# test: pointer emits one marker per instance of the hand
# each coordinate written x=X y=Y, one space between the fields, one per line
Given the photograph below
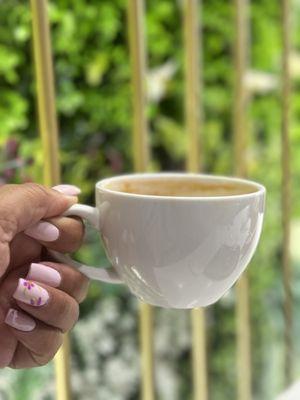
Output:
x=38 y=298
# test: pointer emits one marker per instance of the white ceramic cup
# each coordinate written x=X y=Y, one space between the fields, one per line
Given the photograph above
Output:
x=175 y=252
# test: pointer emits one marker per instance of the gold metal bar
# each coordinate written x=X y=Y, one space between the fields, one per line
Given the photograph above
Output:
x=240 y=92
x=45 y=91
x=62 y=371
x=146 y=343
x=192 y=82
x=199 y=354
x=49 y=135
x=286 y=189
x=193 y=122
x=244 y=373
x=141 y=160
x=138 y=77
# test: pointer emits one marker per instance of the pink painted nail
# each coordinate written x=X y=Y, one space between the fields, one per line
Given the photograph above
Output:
x=19 y=320
x=69 y=190
x=43 y=231
x=30 y=293
x=44 y=274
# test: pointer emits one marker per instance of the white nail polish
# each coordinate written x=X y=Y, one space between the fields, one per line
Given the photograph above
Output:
x=69 y=190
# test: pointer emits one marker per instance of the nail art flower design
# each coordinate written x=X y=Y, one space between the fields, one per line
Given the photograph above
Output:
x=28 y=284
x=38 y=303
x=34 y=298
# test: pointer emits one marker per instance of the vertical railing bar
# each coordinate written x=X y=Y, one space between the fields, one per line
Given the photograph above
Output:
x=62 y=371
x=146 y=345
x=240 y=93
x=199 y=354
x=244 y=373
x=49 y=135
x=194 y=126
x=193 y=75
x=45 y=91
x=141 y=160
x=286 y=189
x=138 y=71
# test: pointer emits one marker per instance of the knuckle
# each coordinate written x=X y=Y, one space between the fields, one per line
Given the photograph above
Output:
x=13 y=365
x=74 y=319
x=75 y=310
x=34 y=189
x=8 y=222
x=68 y=312
x=40 y=361
x=48 y=347
x=46 y=340
x=71 y=321
x=56 y=344
x=8 y=225
x=79 y=287
x=63 y=309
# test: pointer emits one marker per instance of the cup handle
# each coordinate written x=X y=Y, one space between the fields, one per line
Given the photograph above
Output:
x=91 y=215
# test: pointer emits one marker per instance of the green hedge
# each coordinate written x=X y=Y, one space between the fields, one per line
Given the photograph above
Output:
x=92 y=72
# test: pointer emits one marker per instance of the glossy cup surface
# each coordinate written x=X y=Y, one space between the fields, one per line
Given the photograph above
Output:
x=179 y=252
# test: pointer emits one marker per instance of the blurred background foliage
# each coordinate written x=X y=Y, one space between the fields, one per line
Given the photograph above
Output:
x=92 y=71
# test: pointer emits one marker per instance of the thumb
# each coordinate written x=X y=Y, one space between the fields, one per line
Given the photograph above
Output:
x=24 y=205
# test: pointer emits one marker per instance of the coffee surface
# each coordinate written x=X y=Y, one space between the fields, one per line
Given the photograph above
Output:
x=181 y=187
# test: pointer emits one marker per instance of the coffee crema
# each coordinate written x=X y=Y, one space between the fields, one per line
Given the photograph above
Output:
x=181 y=187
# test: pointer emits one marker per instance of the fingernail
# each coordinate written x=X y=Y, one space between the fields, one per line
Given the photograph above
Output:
x=43 y=231
x=69 y=190
x=44 y=274
x=30 y=293
x=19 y=320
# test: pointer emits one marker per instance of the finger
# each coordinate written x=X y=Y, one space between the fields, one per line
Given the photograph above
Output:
x=8 y=343
x=22 y=206
x=61 y=276
x=71 y=231
x=23 y=250
x=8 y=287
x=49 y=305
x=38 y=342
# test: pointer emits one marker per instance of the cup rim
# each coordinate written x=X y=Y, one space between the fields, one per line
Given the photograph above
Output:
x=101 y=185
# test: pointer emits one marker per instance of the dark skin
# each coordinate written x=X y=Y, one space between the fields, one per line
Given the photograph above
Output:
x=22 y=206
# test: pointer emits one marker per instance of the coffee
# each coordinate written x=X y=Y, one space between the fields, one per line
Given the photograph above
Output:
x=181 y=187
